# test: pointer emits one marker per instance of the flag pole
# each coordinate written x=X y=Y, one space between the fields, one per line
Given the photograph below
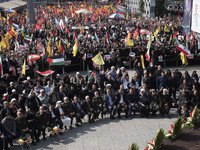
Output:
x=83 y=65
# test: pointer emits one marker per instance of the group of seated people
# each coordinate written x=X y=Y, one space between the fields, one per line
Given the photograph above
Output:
x=29 y=108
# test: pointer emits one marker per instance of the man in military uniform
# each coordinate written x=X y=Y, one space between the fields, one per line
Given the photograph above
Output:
x=98 y=103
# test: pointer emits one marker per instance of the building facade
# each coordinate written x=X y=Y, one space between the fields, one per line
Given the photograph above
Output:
x=149 y=7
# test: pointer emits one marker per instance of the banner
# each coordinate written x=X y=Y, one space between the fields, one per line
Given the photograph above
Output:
x=196 y=16
x=187 y=17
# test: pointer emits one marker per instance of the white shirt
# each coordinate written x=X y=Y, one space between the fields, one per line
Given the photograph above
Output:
x=121 y=100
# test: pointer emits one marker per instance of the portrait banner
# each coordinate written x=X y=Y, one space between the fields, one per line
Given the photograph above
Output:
x=186 y=17
x=196 y=16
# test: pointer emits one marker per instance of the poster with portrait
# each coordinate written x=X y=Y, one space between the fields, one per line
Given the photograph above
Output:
x=196 y=16
x=187 y=17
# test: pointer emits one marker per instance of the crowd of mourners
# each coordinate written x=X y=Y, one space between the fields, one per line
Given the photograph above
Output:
x=30 y=106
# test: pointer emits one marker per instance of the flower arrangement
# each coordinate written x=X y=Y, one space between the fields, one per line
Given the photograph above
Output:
x=20 y=142
x=54 y=130
x=193 y=119
x=24 y=140
x=157 y=141
x=176 y=129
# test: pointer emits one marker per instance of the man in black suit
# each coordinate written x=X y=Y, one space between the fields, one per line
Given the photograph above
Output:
x=78 y=110
x=184 y=112
x=109 y=100
x=121 y=102
x=88 y=109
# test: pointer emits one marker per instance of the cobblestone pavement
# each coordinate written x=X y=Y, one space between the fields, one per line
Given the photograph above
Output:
x=106 y=134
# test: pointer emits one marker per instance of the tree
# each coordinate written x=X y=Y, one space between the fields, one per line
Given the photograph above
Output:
x=141 y=6
x=160 y=8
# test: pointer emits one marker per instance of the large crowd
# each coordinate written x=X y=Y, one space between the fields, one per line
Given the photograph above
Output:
x=29 y=106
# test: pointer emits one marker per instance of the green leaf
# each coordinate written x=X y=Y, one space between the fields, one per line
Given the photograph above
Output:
x=159 y=138
x=134 y=146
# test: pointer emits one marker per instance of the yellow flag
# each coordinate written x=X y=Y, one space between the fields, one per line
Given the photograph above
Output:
x=8 y=36
x=98 y=59
x=133 y=14
x=137 y=38
x=184 y=59
x=139 y=18
x=159 y=29
x=127 y=16
x=75 y=49
x=142 y=61
x=24 y=68
x=170 y=37
x=166 y=29
x=3 y=42
x=49 y=48
x=129 y=42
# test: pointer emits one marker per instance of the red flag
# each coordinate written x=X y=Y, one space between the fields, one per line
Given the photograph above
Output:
x=192 y=37
x=66 y=30
x=136 y=33
x=179 y=17
x=37 y=27
x=86 y=19
x=93 y=18
x=130 y=33
x=62 y=49
x=50 y=61
x=175 y=34
x=41 y=21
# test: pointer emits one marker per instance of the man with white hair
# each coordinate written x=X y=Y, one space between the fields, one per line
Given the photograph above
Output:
x=44 y=99
x=88 y=109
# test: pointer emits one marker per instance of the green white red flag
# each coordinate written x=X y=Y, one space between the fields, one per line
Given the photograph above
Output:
x=45 y=73
x=33 y=57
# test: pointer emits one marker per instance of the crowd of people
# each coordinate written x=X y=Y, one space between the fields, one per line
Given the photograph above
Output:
x=29 y=106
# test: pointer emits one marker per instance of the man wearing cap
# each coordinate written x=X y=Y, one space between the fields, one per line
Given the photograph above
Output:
x=33 y=102
x=30 y=83
x=14 y=107
x=10 y=88
x=57 y=79
x=164 y=103
x=143 y=103
x=14 y=94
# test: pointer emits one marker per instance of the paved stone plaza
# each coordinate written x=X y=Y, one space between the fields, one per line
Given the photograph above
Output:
x=106 y=134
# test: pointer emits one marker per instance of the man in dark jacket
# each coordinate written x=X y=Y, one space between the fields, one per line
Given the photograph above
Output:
x=10 y=127
x=3 y=138
x=121 y=102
